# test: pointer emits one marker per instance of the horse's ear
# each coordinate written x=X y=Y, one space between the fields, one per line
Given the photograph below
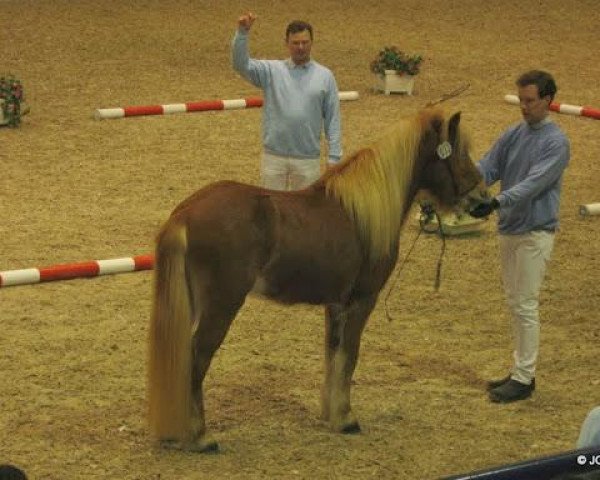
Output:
x=453 y=127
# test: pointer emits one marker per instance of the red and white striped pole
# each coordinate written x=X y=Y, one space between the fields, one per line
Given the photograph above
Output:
x=76 y=270
x=201 y=106
x=563 y=108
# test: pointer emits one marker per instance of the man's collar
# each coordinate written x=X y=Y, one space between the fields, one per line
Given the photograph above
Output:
x=545 y=121
x=290 y=63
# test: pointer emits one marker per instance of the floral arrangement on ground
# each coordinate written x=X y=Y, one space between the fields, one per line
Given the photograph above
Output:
x=11 y=96
x=392 y=58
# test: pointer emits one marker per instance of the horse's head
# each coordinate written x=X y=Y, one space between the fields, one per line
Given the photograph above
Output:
x=448 y=172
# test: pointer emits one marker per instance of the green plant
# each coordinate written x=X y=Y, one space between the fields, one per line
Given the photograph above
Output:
x=11 y=96
x=392 y=58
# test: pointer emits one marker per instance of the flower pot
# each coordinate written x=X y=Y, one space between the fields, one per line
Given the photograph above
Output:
x=24 y=110
x=394 y=82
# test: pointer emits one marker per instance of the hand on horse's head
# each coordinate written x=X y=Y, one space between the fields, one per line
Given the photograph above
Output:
x=484 y=209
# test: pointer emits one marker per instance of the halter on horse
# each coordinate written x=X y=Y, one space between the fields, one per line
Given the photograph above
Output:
x=334 y=243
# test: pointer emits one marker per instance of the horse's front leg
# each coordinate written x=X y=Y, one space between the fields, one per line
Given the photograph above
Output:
x=343 y=328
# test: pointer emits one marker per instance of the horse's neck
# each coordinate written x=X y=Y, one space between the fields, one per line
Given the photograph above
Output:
x=376 y=187
x=401 y=167
x=398 y=188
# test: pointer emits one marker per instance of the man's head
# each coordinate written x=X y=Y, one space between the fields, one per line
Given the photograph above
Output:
x=298 y=38
x=536 y=92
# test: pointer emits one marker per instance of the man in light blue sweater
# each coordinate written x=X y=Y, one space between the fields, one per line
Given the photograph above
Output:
x=529 y=160
x=300 y=101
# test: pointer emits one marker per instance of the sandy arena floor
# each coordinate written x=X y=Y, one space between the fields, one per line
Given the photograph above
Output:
x=72 y=353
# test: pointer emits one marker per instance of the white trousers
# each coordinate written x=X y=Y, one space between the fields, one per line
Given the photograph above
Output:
x=523 y=260
x=288 y=173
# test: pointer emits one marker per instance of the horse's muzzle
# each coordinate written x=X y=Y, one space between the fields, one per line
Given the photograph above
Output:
x=476 y=196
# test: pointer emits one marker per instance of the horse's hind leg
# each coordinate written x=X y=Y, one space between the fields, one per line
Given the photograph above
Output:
x=344 y=326
x=215 y=305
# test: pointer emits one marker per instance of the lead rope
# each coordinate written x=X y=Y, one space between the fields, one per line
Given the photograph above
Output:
x=428 y=211
x=438 y=272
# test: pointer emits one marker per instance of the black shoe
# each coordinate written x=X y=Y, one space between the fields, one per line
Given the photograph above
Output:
x=491 y=384
x=511 y=391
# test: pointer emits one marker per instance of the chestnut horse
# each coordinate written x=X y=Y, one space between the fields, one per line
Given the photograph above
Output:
x=334 y=243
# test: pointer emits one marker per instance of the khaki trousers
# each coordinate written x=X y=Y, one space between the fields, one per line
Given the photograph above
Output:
x=288 y=173
x=524 y=259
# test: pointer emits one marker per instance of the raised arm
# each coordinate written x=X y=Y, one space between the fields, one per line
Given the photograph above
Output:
x=255 y=71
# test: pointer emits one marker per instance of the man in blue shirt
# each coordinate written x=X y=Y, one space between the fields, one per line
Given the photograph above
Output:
x=300 y=100
x=528 y=160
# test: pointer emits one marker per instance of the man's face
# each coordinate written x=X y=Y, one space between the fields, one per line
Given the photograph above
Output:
x=299 y=45
x=533 y=108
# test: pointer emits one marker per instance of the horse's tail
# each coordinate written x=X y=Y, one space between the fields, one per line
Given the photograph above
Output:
x=170 y=356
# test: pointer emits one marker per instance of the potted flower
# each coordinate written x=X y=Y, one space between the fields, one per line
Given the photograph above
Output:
x=11 y=96
x=395 y=70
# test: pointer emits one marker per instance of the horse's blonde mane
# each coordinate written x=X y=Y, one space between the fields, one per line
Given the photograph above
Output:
x=373 y=183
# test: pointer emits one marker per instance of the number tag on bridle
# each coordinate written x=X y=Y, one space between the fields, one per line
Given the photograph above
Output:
x=444 y=150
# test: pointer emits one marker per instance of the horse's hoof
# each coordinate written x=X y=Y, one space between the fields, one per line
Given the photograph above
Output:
x=204 y=446
x=170 y=444
x=351 y=428
x=196 y=446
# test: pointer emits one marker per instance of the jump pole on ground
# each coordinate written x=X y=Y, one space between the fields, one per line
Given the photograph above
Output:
x=76 y=270
x=200 y=106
